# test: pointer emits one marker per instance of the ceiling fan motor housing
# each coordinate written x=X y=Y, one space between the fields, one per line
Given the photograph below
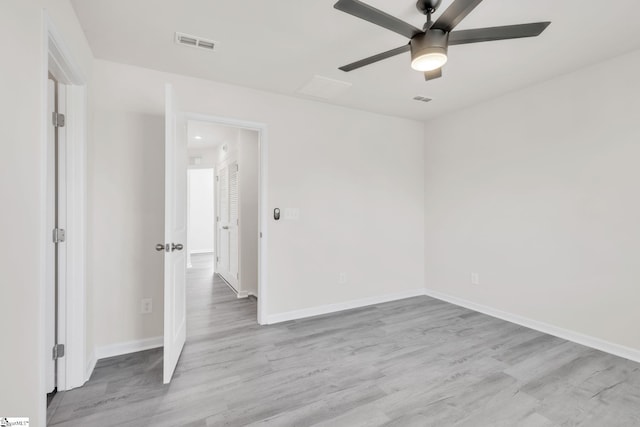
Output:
x=433 y=41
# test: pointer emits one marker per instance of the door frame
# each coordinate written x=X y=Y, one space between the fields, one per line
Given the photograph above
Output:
x=72 y=368
x=263 y=209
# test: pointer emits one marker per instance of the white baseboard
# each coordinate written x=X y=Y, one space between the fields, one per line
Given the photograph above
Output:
x=91 y=365
x=347 y=305
x=200 y=252
x=577 y=337
x=127 y=347
x=242 y=294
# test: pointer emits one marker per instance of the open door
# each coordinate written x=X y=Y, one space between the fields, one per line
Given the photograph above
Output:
x=175 y=237
x=51 y=268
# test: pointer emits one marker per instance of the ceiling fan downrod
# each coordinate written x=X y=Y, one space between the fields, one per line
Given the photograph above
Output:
x=427 y=25
x=427 y=7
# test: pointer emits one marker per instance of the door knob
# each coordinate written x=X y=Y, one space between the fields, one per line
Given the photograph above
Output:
x=160 y=247
x=176 y=247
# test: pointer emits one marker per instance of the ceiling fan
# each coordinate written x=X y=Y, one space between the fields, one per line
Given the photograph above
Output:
x=429 y=46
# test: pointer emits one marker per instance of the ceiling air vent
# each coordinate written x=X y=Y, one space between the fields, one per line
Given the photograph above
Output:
x=422 y=98
x=193 y=41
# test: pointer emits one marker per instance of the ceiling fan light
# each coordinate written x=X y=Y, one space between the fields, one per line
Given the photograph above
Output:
x=429 y=50
x=429 y=61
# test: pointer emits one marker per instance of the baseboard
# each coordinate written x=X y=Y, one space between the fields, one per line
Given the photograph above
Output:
x=91 y=365
x=127 y=347
x=242 y=294
x=569 y=335
x=341 y=306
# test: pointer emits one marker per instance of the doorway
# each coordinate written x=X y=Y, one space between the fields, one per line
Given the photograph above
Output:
x=62 y=309
x=225 y=159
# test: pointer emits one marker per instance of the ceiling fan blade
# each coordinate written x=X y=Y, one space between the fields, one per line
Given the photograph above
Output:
x=454 y=14
x=432 y=75
x=376 y=58
x=376 y=16
x=497 y=33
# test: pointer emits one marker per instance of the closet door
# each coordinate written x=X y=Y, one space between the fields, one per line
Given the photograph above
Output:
x=233 y=226
x=227 y=260
x=222 y=259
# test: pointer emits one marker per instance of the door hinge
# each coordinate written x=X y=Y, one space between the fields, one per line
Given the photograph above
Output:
x=59 y=235
x=217 y=258
x=58 y=351
x=261 y=234
x=217 y=178
x=58 y=120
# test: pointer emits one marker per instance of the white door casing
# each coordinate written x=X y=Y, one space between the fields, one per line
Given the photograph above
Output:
x=265 y=212
x=175 y=237
x=75 y=367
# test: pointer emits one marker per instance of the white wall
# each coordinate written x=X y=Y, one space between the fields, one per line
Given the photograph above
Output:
x=208 y=158
x=201 y=215
x=537 y=192
x=348 y=171
x=22 y=186
x=126 y=219
x=249 y=163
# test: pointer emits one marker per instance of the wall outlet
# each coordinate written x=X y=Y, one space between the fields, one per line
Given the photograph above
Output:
x=475 y=279
x=146 y=306
x=342 y=278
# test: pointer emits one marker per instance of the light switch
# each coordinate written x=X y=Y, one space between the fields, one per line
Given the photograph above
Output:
x=292 y=214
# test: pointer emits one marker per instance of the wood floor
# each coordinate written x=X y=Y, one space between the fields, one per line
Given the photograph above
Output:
x=416 y=362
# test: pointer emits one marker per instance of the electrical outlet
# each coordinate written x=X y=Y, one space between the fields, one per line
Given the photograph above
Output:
x=146 y=306
x=342 y=278
x=475 y=279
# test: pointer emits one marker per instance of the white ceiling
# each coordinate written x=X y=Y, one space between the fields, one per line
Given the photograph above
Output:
x=279 y=45
x=211 y=135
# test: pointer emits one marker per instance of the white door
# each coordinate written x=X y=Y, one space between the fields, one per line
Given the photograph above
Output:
x=228 y=249
x=234 y=221
x=175 y=237
x=50 y=300
x=222 y=228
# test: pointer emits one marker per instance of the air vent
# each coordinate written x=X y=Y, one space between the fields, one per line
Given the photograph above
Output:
x=193 y=41
x=422 y=98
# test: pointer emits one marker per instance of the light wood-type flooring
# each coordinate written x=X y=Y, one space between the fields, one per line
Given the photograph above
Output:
x=415 y=362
